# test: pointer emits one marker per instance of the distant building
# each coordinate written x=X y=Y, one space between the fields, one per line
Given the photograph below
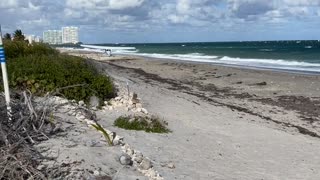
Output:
x=52 y=37
x=70 y=35
x=32 y=38
x=37 y=39
x=29 y=38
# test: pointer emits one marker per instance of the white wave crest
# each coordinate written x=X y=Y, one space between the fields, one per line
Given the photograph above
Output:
x=198 y=57
x=247 y=62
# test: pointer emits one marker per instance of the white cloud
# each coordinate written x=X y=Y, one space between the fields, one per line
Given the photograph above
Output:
x=124 y=4
x=177 y=19
x=138 y=15
x=301 y=2
x=104 y=4
x=86 y=4
x=8 y=4
x=183 y=6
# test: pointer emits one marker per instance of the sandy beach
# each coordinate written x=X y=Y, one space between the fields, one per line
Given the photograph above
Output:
x=226 y=122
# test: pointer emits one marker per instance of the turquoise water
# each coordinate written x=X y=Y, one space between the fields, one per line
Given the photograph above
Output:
x=285 y=55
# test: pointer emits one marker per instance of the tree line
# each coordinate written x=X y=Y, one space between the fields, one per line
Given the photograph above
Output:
x=16 y=36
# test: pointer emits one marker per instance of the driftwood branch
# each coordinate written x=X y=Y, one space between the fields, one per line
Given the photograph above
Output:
x=18 y=158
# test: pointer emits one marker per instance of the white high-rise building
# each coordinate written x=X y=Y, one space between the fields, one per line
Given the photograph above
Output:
x=30 y=38
x=52 y=37
x=70 y=35
x=37 y=39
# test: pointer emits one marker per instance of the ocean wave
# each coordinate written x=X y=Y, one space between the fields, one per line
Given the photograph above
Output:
x=272 y=64
x=198 y=57
x=280 y=64
x=266 y=50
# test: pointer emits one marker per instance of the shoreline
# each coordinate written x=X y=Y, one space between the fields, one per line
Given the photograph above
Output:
x=227 y=123
x=216 y=113
x=117 y=55
x=313 y=73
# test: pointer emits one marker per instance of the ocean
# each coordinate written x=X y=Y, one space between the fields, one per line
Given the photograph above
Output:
x=301 y=56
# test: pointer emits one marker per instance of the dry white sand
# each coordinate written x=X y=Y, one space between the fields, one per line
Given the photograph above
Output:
x=213 y=142
x=214 y=138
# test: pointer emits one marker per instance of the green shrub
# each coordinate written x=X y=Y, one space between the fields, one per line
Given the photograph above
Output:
x=42 y=69
x=141 y=123
x=14 y=49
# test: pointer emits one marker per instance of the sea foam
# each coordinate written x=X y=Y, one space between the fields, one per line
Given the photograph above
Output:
x=291 y=65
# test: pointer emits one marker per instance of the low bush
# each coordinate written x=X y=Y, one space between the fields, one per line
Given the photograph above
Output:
x=142 y=123
x=41 y=69
x=14 y=49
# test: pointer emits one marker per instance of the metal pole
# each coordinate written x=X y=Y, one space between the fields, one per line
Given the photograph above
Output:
x=5 y=76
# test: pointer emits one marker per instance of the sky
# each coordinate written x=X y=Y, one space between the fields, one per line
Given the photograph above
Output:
x=146 y=21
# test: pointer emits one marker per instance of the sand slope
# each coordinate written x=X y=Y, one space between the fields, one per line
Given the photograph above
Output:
x=212 y=141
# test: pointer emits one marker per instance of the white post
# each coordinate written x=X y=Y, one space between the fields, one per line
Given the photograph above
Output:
x=5 y=76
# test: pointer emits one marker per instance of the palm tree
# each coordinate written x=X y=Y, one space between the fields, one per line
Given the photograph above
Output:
x=7 y=36
x=18 y=35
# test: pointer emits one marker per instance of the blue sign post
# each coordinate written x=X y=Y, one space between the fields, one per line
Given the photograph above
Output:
x=5 y=76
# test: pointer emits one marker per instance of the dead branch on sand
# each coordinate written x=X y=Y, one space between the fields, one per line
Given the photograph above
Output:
x=30 y=124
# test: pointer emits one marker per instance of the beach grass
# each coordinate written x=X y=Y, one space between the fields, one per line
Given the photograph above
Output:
x=141 y=123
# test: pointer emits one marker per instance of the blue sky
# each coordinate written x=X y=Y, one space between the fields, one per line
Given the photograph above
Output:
x=118 y=21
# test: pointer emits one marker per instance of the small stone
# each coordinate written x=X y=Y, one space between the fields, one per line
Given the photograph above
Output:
x=94 y=101
x=152 y=173
x=117 y=98
x=138 y=105
x=116 y=104
x=125 y=160
x=171 y=166
x=70 y=112
x=96 y=173
x=138 y=157
x=41 y=167
x=118 y=140
x=130 y=152
x=143 y=110
x=139 y=109
x=125 y=146
x=81 y=103
x=145 y=164
x=80 y=117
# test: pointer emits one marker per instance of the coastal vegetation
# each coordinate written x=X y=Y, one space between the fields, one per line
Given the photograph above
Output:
x=142 y=123
x=41 y=69
x=36 y=69
x=18 y=35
